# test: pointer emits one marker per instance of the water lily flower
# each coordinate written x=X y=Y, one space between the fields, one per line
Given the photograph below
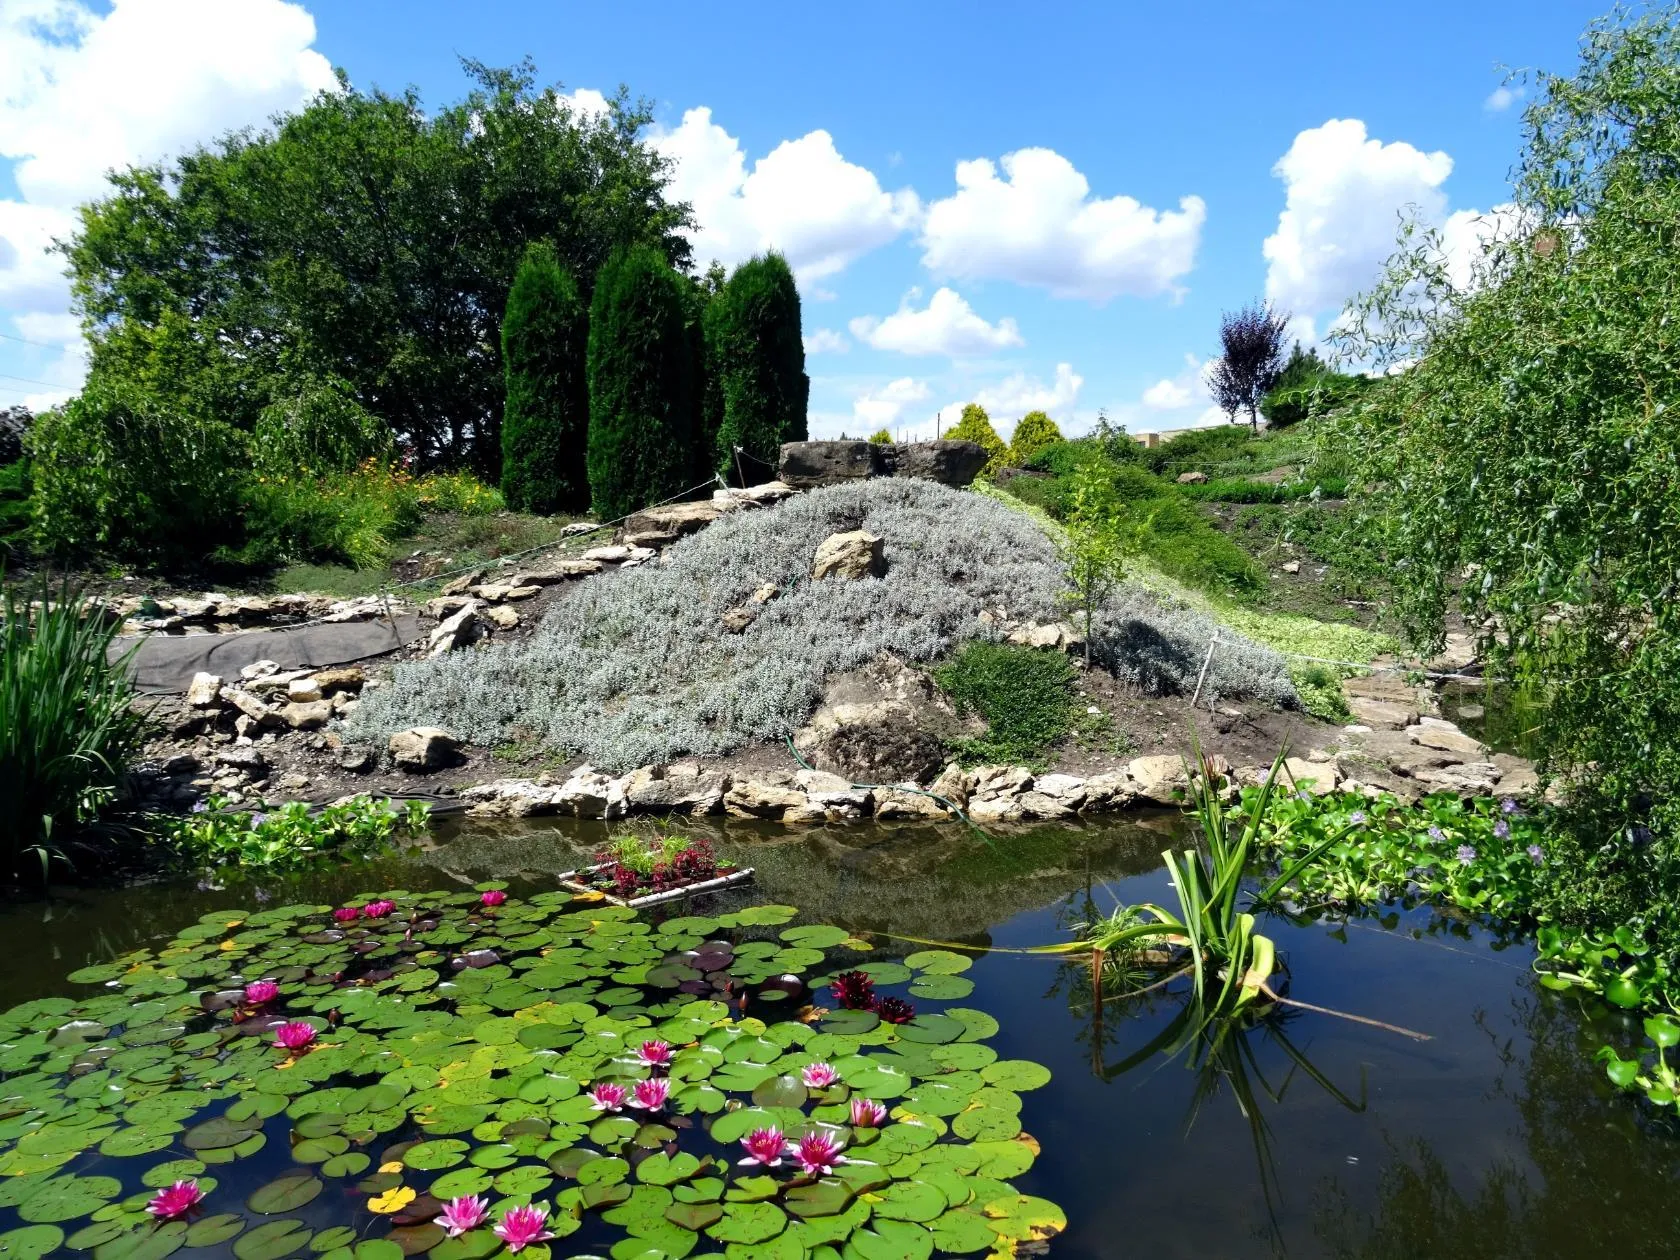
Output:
x=294 y=1036
x=522 y=1226
x=492 y=897
x=175 y=1201
x=655 y=1054
x=818 y=1153
x=868 y=1114
x=260 y=991
x=819 y=1075
x=460 y=1214
x=378 y=909
x=651 y=1095
x=347 y=914
x=1466 y=854
x=1535 y=855
x=766 y=1147
x=854 y=990
x=894 y=1010
x=608 y=1097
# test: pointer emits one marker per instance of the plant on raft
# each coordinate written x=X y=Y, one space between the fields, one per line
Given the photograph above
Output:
x=452 y=1072
x=635 y=864
x=289 y=838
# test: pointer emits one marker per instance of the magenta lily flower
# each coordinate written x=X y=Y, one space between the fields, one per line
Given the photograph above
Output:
x=522 y=1226
x=175 y=1201
x=651 y=1095
x=294 y=1036
x=818 y=1153
x=868 y=1114
x=492 y=898
x=655 y=1054
x=347 y=914
x=819 y=1076
x=463 y=1213
x=260 y=991
x=765 y=1147
x=608 y=1097
x=378 y=909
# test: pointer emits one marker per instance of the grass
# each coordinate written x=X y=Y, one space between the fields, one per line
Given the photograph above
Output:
x=1024 y=694
x=1243 y=490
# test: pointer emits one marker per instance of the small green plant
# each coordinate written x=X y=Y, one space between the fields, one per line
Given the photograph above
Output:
x=1656 y=1080
x=1094 y=548
x=290 y=838
x=881 y=438
x=976 y=426
x=1033 y=433
x=1024 y=694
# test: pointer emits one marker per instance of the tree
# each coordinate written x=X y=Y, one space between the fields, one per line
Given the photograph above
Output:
x=1035 y=431
x=545 y=420
x=365 y=239
x=641 y=384
x=1252 y=343
x=1304 y=367
x=976 y=426
x=880 y=438
x=756 y=355
x=1093 y=546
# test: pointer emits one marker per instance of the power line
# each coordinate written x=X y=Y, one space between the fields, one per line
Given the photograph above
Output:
x=30 y=380
x=39 y=344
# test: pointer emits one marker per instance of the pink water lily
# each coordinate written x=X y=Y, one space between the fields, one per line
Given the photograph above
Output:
x=378 y=909
x=347 y=914
x=651 y=1095
x=765 y=1146
x=818 y=1153
x=463 y=1213
x=261 y=991
x=175 y=1201
x=819 y=1076
x=294 y=1036
x=522 y=1226
x=868 y=1114
x=492 y=897
x=655 y=1054
x=608 y=1097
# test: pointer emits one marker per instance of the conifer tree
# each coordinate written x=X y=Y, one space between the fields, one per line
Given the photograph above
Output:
x=976 y=426
x=545 y=420
x=756 y=358
x=1035 y=431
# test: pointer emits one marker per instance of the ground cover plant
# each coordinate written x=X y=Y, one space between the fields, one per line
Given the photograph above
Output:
x=456 y=1072
x=1024 y=694
x=639 y=669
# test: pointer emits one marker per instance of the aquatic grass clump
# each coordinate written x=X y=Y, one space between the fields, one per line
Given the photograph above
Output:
x=448 y=1077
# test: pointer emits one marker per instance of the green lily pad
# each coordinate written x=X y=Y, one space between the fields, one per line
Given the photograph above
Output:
x=939 y=962
x=212 y=1230
x=30 y=1242
x=272 y=1240
x=285 y=1194
x=891 y=1240
x=748 y=1223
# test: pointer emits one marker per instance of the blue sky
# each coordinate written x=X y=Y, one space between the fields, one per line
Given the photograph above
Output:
x=1029 y=205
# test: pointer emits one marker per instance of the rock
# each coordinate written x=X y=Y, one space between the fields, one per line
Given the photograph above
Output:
x=1317 y=777
x=497 y=592
x=303 y=690
x=994 y=782
x=182 y=763
x=259 y=669
x=348 y=678
x=1192 y=478
x=997 y=809
x=851 y=555
x=898 y=803
x=1059 y=634
x=463 y=584
x=1291 y=566
x=558 y=571
x=1516 y=776
x=1112 y=791
x=760 y=798
x=458 y=630
x=619 y=554
x=445 y=605
x=294 y=782
x=882 y=723
x=511 y=798
x=503 y=617
x=805 y=465
x=423 y=748
x=663 y=525
x=737 y=619
x=1159 y=779
x=1435 y=733
x=307 y=715
x=356 y=759
x=1474 y=778
x=1459 y=654
x=579 y=527
x=821 y=782
x=1381 y=714
x=204 y=692
x=947 y=462
x=754 y=496
x=1066 y=789
x=684 y=791
x=273 y=686
x=246 y=761
x=253 y=708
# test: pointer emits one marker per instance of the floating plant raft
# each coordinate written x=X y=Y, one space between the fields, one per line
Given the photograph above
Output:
x=463 y=1075
x=589 y=880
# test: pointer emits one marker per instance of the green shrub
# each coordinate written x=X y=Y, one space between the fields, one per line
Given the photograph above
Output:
x=642 y=409
x=67 y=728
x=1316 y=396
x=976 y=426
x=1243 y=490
x=16 y=506
x=1197 y=448
x=318 y=428
x=1035 y=432
x=1024 y=694
x=756 y=355
x=545 y=419
x=881 y=438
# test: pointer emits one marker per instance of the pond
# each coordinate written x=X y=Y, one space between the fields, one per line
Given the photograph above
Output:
x=1308 y=1136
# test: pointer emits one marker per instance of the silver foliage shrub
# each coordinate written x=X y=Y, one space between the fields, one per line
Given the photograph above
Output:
x=636 y=667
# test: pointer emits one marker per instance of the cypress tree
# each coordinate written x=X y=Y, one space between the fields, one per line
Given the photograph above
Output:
x=545 y=419
x=1035 y=431
x=976 y=426
x=641 y=384
x=757 y=358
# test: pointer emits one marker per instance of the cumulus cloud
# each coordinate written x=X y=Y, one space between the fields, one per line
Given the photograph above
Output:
x=1039 y=225
x=1011 y=398
x=826 y=341
x=1344 y=194
x=89 y=91
x=947 y=325
x=880 y=408
x=1503 y=97
x=803 y=199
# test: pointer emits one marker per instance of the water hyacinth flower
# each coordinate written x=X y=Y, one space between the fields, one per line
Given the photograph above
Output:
x=1435 y=833
x=1535 y=855
x=347 y=914
x=819 y=1076
x=175 y=1201
x=492 y=897
x=1466 y=854
x=460 y=1214
x=1357 y=818
x=868 y=1114
x=261 y=991
x=608 y=1097
x=651 y=1095
x=294 y=1036
x=522 y=1226
x=1508 y=806
x=1501 y=829
x=818 y=1153
x=765 y=1147
x=654 y=1054
x=378 y=909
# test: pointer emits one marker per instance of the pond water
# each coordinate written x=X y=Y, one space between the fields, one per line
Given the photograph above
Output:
x=1309 y=1136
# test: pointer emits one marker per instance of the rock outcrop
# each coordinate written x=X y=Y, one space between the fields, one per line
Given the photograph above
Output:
x=849 y=556
x=806 y=465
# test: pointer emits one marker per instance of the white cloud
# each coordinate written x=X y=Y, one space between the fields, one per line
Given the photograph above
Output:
x=878 y=409
x=1039 y=225
x=802 y=199
x=1169 y=394
x=1503 y=97
x=1468 y=234
x=1345 y=193
x=1181 y=401
x=587 y=102
x=1016 y=395
x=826 y=341
x=946 y=325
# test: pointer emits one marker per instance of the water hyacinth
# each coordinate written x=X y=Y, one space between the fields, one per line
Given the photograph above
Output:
x=1502 y=830
x=868 y=1114
x=468 y=1211
x=492 y=898
x=1536 y=855
x=378 y=909
x=654 y=1054
x=608 y=1097
x=175 y=1201
x=294 y=1036
x=765 y=1147
x=1466 y=854
x=1437 y=835
x=819 y=1076
x=522 y=1226
x=818 y=1153
x=259 y=992
x=651 y=1095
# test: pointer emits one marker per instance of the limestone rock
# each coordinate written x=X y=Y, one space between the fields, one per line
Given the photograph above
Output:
x=462 y=584
x=259 y=669
x=204 y=692
x=619 y=554
x=736 y=620
x=760 y=798
x=947 y=462
x=347 y=678
x=874 y=725
x=511 y=798
x=1381 y=714
x=663 y=525
x=307 y=715
x=356 y=759
x=499 y=592
x=754 y=496
x=1192 y=478
x=303 y=690
x=253 y=708
x=1317 y=777
x=1458 y=655
x=445 y=605
x=851 y=555
x=1291 y=566
x=805 y=465
x=1435 y=733
x=820 y=781
x=1058 y=634
x=1112 y=791
x=677 y=789
x=590 y=794
x=1474 y=778
x=1160 y=779
x=558 y=571
x=952 y=784
x=459 y=630
x=423 y=748
x=579 y=527
x=1038 y=805
x=246 y=761
x=896 y=803
x=503 y=617
x=1065 y=789
x=1516 y=775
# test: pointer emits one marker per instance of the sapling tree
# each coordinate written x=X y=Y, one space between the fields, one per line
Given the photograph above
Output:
x=1093 y=548
x=1252 y=342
